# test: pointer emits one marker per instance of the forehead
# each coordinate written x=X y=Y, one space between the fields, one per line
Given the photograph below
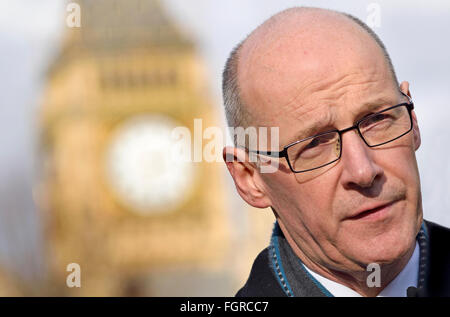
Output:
x=298 y=82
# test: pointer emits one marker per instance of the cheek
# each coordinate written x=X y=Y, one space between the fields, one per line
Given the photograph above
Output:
x=403 y=169
x=283 y=191
x=309 y=203
x=401 y=164
x=318 y=197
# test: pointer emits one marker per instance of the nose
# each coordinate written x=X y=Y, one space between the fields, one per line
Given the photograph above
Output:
x=359 y=168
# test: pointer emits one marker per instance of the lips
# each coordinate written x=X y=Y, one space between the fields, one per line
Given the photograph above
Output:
x=371 y=211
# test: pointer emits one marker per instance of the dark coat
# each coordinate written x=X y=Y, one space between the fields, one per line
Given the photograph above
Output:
x=267 y=277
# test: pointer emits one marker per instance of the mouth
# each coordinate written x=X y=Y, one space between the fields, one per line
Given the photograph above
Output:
x=372 y=213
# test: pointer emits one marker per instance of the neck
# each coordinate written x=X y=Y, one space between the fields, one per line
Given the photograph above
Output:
x=356 y=280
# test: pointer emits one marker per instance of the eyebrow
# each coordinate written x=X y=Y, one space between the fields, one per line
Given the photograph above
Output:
x=364 y=110
x=376 y=105
x=313 y=129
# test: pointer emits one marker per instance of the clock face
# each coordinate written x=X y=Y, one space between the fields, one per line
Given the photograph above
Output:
x=140 y=168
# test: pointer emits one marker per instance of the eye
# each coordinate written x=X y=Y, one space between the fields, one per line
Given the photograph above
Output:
x=376 y=118
x=372 y=120
x=314 y=148
x=315 y=142
x=320 y=140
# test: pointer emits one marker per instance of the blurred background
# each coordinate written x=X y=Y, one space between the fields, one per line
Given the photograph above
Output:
x=90 y=90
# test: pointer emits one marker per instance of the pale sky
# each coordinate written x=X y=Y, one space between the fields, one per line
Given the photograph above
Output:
x=414 y=32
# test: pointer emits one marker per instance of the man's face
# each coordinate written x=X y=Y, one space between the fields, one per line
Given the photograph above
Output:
x=330 y=85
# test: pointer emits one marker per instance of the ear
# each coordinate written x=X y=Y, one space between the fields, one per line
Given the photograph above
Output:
x=246 y=177
x=404 y=87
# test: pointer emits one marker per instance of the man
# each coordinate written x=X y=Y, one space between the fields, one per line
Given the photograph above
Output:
x=346 y=193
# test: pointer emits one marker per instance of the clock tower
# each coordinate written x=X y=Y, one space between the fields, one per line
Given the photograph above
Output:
x=114 y=200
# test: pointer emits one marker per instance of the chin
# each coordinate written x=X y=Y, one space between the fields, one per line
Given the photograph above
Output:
x=385 y=248
x=385 y=240
x=389 y=253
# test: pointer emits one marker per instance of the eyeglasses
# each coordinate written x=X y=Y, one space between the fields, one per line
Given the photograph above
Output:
x=326 y=148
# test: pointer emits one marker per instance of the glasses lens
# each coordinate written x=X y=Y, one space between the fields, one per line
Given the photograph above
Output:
x=314 y=152
x=385 y=126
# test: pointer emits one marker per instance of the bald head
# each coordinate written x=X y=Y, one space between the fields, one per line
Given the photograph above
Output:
x=310 y=44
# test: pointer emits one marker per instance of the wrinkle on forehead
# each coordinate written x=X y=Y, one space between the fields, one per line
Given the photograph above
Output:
x=329 y=91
